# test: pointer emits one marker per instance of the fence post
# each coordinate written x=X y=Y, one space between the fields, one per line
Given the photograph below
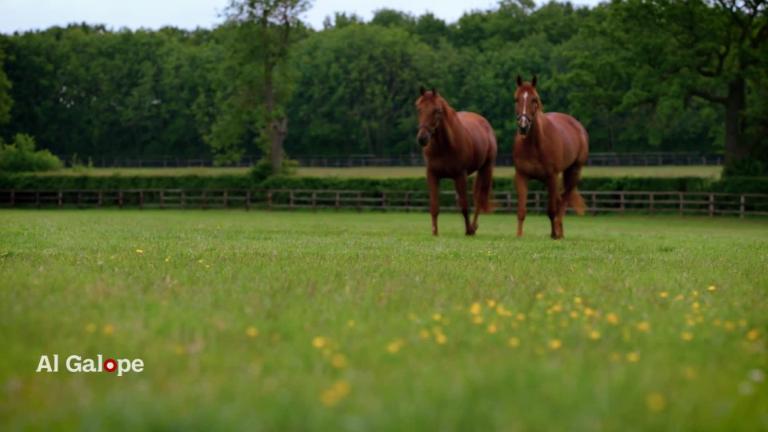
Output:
x=162 y=198
x=120 y=199
x=141 y=199
x=13 y=197
x=314 y=200
x=37 y=198
x=290 y=204
x=101 y=198
x=681 y=202
x=408 y=201
x=338 y=199
x=384 y=200
x=79 y=198
x=650 y=198
x=535 y=200
x=59 y=198
x=622 y=207
x=359 y=201
x=205 y=199
x=183 y=199
x=269 y=199
x=594 y=203
x=711 y=204
x=226 y=198
x=248 y=200
x=742 y=205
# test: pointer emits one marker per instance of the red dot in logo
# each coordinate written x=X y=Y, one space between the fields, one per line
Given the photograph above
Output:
x=110 y=365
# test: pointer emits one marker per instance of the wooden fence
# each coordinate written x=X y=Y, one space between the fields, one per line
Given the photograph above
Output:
x=688 y=203
x=415 y=159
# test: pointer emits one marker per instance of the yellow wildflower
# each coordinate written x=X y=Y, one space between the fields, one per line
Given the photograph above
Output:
x=339 y=361
x=424 y=334
x=514 y=342
x=612 y=318
x=477 y=319
x=334 y=394
x=319 y=342
x=437 y=317
x=394 y=346
x=633 y=357
x=492 y=328
x=140 y=251
x=441 y=339
x=753 y=335
x=594 y=335
x=643 y=326
x=251 y=332
x=555 y=344
x=90 y=327
x=475 y=309
x=663 y=294
x=655 y=402
x=686 y=336
x=491 y=303
x=520 y=317
x=108 y=329
x=711 y=288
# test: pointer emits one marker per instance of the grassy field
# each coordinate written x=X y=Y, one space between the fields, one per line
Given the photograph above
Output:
x=387 y=172
x=360 y=321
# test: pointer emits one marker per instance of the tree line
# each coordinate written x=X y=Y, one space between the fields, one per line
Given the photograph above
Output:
x=641 y=75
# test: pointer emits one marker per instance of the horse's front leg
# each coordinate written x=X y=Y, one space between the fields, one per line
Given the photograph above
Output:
x=521 y=185
x=553 y=209
x=434 y=199
x=461 y=192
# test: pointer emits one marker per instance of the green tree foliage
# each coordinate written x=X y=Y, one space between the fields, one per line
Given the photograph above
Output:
x=21 y=156
x=356 y=89
x=5 y=86
x=665 y=75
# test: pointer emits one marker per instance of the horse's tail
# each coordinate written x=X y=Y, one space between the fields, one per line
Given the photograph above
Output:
x=577 y=202
x=483 y=186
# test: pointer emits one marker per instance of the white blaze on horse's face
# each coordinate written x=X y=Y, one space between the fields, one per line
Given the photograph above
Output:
x=524 y=119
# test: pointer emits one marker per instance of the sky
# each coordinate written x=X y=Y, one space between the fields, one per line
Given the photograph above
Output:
x=21 y=15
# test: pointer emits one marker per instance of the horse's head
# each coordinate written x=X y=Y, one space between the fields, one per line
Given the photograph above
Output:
x=527 y=105
x=431 y=113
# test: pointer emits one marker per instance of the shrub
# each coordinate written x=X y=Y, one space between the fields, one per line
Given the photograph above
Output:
x=21 y=156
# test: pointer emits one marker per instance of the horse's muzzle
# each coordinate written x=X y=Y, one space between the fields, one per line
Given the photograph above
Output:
x=423 y=138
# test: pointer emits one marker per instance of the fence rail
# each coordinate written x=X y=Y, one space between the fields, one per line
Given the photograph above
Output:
x=596 y=159
x=688 y=203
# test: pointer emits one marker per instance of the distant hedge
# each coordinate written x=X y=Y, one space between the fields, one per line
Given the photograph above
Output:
x=682 y=184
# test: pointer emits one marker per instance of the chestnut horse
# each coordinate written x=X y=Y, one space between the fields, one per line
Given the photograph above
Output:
x=546 y=145
x=456 y=144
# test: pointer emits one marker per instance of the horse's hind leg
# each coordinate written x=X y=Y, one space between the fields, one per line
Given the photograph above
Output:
x=521 y=185
x=554 y=207
x=482 y=191
x=461 y=192
x=571 y=195
x=434 y=199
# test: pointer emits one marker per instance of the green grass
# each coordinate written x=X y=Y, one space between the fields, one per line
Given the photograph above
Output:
x=383 y=293
x=388 y=172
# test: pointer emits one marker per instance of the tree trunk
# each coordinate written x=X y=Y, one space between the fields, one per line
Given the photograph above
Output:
x=278 y=128
x=735 y=105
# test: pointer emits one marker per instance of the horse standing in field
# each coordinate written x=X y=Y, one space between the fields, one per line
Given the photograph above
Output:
x=456 y=144
x=546 y=145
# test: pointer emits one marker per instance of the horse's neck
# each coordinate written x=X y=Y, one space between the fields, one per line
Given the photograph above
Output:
x=450 y=129
x=540 y=126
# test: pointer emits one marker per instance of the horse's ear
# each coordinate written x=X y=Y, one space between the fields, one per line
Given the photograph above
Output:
x=434 y=91
x=519 y=81
x=422 y=90
x=533 y=81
